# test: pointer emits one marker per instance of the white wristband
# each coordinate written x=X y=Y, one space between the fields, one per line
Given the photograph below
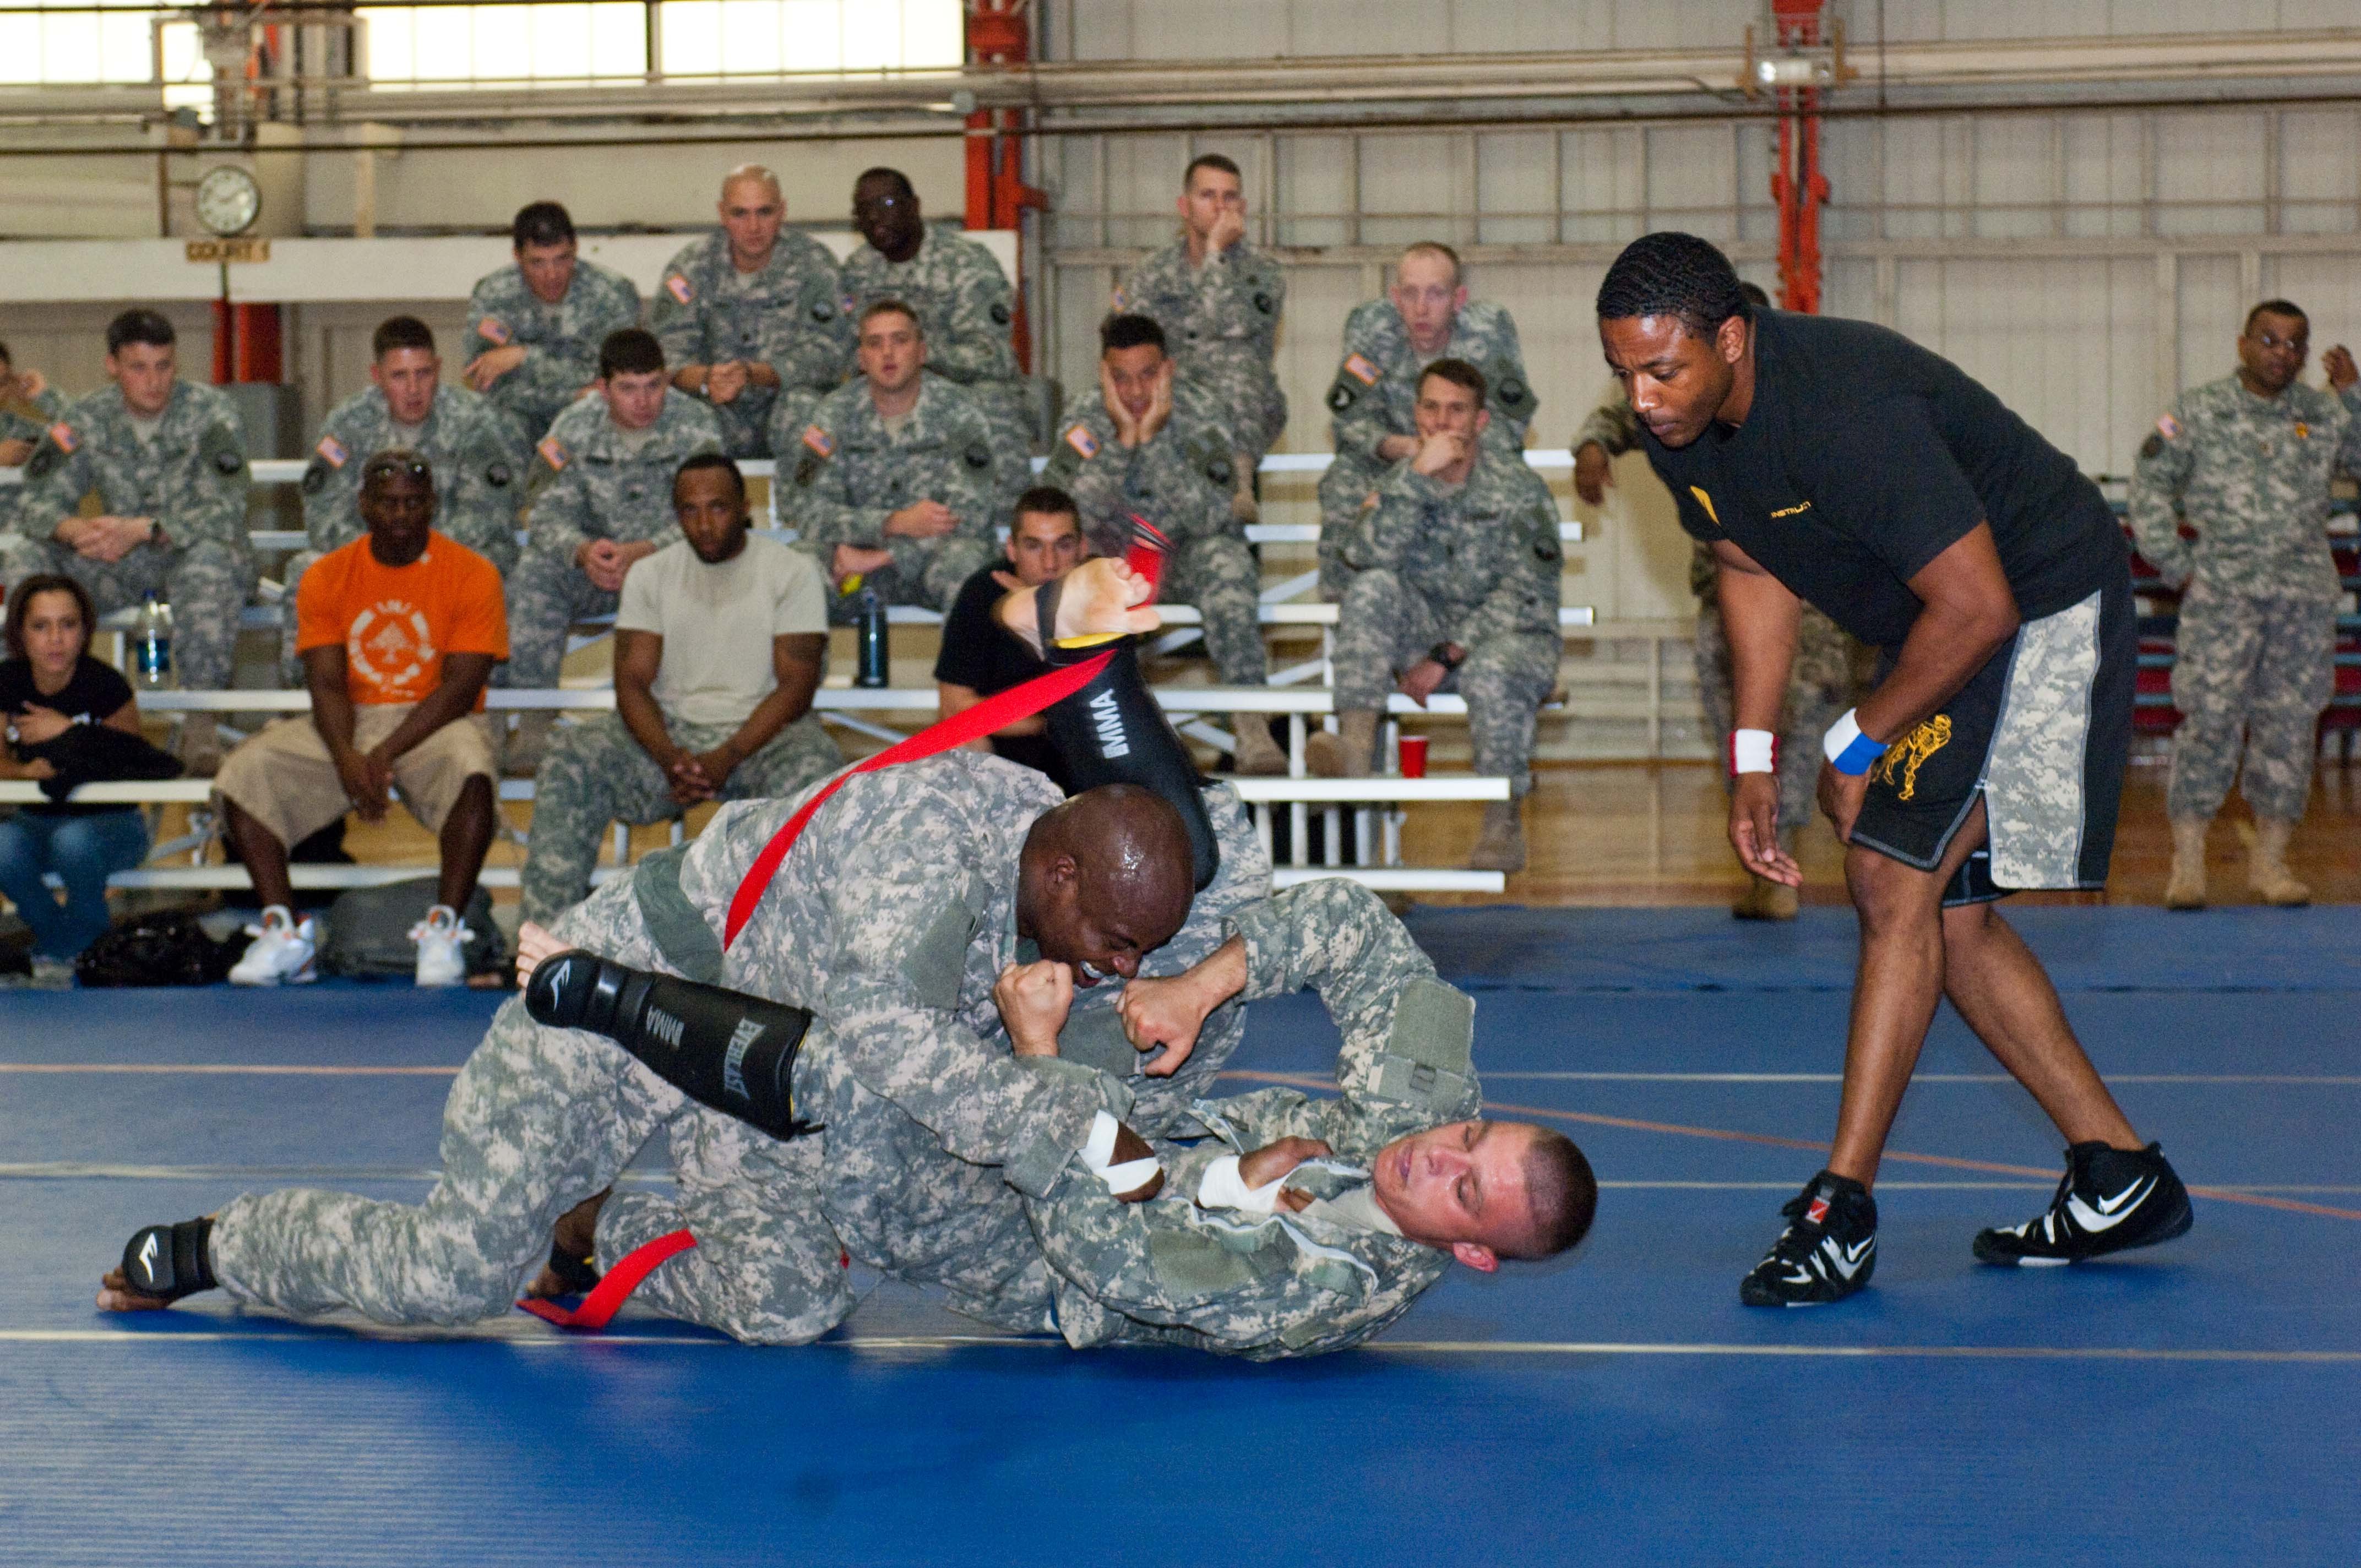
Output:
x=1754 y=752
x=1846 y=749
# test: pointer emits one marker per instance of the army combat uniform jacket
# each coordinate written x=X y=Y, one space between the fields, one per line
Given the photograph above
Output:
x=848 y=473
x=560 y=341
x=190 y=477
x=1221 y=321
x=2250 y=475
x=1187 y=1268
x=479 y=462
x=1181 y=479
x=790 y=316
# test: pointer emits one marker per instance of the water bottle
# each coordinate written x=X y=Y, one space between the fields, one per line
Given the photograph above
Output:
x=870 y=631
x=154 y=645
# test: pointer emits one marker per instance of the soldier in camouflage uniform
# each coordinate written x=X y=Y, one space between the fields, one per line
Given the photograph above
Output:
x=2245 y=461
x=720 y=644
x=601 y=498
x=894 y=478
x=1300 y=1227
x=535 y=327
x=479 y=460
x=166 y=460
x=1456 y=568
x=1389 y=342
x=28 y=406
x=1219 y=300
x=1157 y=445
x=965 y=310
x=1823 y=682
x=751 y=316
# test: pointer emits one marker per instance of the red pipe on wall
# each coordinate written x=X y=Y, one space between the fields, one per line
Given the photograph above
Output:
x=996 y=193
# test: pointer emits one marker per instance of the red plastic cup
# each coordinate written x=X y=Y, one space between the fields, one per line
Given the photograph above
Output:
x=1413 y=756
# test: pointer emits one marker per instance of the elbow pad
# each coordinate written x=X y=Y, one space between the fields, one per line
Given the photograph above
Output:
x=723 y=1049
x=1113 y=731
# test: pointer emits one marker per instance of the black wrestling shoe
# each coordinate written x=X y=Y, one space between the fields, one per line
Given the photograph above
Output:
x=1828 y=1251
x=2110 y=1199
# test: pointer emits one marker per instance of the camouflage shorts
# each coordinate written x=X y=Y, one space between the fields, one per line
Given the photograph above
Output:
x=2041 y=731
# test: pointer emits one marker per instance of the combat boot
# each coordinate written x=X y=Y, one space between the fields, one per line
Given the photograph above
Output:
x=201 y=747
x=1349 y=752
x=1502 y=846
x=2267 y=867
x=1257 y=752
x=2187 y=888
x=528 y=743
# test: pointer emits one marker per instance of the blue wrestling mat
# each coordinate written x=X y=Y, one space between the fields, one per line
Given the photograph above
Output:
x=2189 y=1404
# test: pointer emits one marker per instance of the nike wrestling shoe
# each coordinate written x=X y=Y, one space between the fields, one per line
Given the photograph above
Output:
x=2110 y=1199
x=1828 y=1251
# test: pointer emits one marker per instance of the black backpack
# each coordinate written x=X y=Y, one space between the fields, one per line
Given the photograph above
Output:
x=165 y=948
x=366 y=933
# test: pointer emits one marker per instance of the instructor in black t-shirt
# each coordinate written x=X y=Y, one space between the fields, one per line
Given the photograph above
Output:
x=978 y=659
x=1838 y=462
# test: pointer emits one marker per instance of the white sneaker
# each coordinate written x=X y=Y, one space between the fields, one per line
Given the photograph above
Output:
x=282 y=951
x=440 y=937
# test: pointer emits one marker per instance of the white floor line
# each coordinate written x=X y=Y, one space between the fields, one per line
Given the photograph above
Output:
x=2339 y=1081
x=79 y=1170
x=528 y=1336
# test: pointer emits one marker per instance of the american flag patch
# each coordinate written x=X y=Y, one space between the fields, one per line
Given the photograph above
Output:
x=62 y=434
x=817 y=439
x=1080 y=439
x=552 y=452
x=679 y=288
x=493 y=330
x=1361 y=370
x=332 y=451
x=1121 y=304
x=2168 y=427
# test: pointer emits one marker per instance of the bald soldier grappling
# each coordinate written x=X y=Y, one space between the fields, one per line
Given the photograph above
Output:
x=1837 y=462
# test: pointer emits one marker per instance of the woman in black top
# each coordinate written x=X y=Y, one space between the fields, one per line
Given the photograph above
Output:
x=47 y=685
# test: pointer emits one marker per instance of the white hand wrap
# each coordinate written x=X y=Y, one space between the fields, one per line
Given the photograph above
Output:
x=1224 y=1187
x=1098 y=1153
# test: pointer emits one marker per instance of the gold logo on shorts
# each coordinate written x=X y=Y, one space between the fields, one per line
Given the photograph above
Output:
x=1903 y=756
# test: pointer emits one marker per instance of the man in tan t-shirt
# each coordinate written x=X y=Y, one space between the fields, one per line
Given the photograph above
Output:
x=718 y=644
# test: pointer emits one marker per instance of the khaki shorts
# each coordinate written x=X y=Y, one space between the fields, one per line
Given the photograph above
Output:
x=283 y=778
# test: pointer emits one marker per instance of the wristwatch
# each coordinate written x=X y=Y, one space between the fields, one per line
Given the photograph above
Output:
x=1450 y=655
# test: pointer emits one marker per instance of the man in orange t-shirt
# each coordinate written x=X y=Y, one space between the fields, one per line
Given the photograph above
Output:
x=397 y=632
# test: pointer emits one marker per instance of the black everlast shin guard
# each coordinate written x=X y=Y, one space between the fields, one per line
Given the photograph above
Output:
x=1113 y=731
x=170 y=1261
x=724 y=1048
